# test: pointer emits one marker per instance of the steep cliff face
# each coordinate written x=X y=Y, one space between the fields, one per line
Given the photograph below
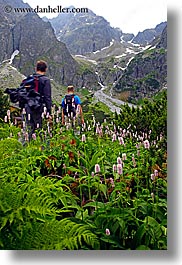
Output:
x=147 y=72
x=85 y=32
x=35 y=39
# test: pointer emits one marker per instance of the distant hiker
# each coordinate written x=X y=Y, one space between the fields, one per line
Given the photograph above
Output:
x=42 y=86
x=71 y=107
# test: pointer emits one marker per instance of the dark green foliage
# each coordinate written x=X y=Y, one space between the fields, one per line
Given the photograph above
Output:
x=151 y=116
x=4 y=103
x=51 y=198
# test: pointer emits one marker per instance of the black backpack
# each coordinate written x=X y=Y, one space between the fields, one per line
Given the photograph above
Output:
x=27 y=93
x=69 y=109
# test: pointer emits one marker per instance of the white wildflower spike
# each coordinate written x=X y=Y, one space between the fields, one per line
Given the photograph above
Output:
x=124 y=156
x=26 y=137
x=97 y=129
x=8 y=113
x=114 y=137
x=45 y=110
x=152 y=176
x=83 y=138
x=114 y=168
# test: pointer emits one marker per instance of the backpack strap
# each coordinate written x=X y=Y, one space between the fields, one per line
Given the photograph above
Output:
x=36 y=83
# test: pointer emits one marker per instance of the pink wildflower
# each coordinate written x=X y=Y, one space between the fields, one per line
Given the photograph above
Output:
x=152 y=176
x=112 y=182
x=34 y=136
x=119 y=161
x=107 y=232
x=97 y=168
x=119 y=169
x=156 y=173
x=146 y=144
x=121 y=141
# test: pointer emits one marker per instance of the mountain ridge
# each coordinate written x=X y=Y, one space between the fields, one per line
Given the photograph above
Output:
x=24 y=33
x=88 y=32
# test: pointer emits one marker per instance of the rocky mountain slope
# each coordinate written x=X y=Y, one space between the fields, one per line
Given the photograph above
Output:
x=148 y=35
x=109 y=51
x=146 y=74
x=35 y=39
x=85 y=32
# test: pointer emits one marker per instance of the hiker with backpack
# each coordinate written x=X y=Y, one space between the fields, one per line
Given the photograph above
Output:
x=33 y=95
x=71 y=107
x=42 y=87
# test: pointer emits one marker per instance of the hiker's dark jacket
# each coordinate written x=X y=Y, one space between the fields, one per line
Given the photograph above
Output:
x=45 y=91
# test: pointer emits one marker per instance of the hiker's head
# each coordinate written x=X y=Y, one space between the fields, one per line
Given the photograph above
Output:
x=70 y=89
x=41 y=66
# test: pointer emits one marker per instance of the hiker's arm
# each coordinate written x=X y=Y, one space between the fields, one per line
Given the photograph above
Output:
x=81 y=113
x=47 y=95
x=63 y=121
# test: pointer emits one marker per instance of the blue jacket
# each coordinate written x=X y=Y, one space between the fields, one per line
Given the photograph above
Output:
x=77 y=101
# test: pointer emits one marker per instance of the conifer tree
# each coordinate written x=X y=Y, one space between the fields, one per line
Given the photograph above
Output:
x=4 y=103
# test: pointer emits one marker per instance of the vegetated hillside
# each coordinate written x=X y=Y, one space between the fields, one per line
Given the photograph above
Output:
x=35 y=39
x=146 y=74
